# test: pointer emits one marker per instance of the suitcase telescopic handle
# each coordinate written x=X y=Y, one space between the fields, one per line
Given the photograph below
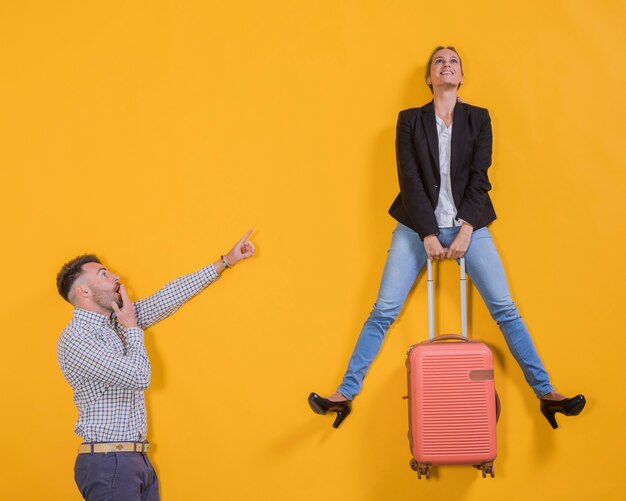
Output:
x=431 y=301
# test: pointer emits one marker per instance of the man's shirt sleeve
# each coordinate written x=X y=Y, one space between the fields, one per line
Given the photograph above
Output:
x=94 y=359
x=172 y=296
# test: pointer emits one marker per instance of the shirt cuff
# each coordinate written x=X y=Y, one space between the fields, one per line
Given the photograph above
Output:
x=134 y=334
x=210 y=273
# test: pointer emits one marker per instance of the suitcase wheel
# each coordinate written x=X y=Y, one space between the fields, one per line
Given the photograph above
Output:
x=420 y=468
x=487 y=469
x=424 y=469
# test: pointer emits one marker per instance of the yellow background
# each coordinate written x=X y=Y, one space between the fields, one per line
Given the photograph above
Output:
x=156 y=133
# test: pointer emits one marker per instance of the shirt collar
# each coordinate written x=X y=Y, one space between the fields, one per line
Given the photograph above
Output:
x=441 y=125
x=91 y=317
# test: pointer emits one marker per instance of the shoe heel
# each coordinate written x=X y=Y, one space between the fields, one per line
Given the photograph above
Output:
x=550 y=416
x=341 y=415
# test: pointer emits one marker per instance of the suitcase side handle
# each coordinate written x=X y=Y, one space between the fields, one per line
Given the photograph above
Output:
x=431 y=302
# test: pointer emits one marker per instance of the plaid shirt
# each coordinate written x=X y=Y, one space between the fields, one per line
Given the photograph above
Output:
x=107 y=366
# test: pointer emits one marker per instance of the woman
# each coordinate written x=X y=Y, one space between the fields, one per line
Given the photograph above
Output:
x=443 y=152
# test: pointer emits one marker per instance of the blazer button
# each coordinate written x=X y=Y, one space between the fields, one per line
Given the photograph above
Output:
x=435 y=186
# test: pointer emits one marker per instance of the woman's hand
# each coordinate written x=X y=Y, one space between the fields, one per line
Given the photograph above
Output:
x=433 y=248
x=461 y=242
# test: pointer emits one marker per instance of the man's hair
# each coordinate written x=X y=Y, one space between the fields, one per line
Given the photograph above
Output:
x=71 y=271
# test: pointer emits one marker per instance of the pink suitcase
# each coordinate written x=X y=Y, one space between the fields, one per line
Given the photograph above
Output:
x=453 y=405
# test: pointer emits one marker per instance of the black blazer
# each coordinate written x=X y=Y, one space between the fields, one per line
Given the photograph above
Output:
x=417 y=154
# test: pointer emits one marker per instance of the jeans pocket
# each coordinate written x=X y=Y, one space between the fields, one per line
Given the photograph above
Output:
x=115 y=468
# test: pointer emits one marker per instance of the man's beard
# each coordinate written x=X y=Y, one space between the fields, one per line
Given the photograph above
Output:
x=104 y=299
x=118 y=300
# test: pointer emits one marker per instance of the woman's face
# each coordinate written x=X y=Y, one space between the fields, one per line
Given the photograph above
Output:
x=445 y=69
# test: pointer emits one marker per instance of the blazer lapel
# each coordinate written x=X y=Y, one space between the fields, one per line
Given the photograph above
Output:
x=430 y=128
x=458 y=133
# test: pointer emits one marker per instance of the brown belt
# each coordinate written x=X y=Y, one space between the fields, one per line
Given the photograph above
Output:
x=105 y=447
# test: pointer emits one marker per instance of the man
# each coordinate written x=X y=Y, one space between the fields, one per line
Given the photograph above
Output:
x=102 y=355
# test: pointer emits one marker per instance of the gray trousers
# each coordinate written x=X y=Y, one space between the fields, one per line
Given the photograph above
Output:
x=116 y=476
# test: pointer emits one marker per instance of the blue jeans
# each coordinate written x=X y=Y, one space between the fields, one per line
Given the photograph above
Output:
x=405 y=260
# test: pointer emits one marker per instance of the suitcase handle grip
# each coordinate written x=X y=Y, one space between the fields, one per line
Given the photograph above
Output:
x=446 y=337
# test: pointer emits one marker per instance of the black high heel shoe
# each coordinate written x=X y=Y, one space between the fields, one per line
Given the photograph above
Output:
x=569 y=406
x=323 y=406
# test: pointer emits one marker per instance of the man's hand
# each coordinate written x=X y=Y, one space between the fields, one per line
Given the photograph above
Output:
x=242 y=250
x=125 y=314
x=461 y=242
x=433 y=248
